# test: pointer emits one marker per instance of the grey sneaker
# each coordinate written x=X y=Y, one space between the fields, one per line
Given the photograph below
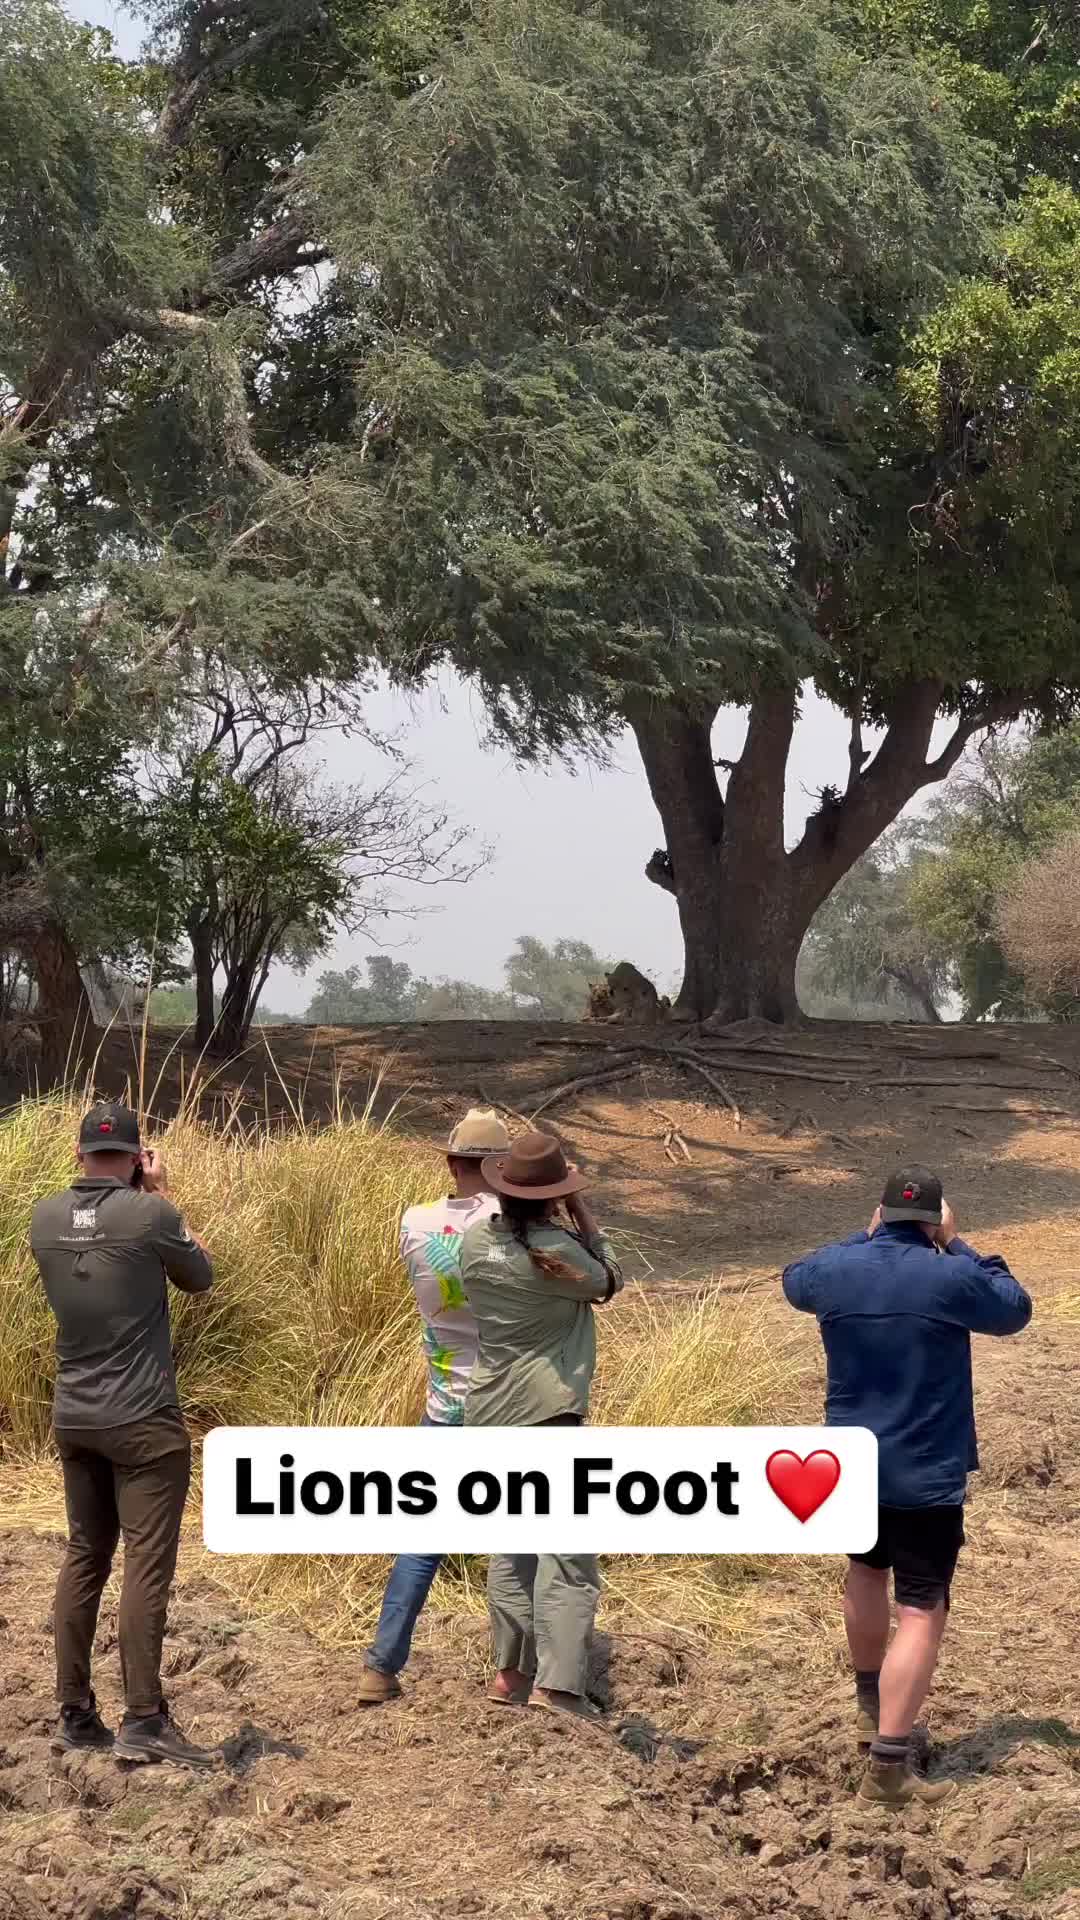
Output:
x=155 y=1741
x=81 y=1730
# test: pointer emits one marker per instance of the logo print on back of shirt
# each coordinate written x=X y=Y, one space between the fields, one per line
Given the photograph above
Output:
x=84 y=1219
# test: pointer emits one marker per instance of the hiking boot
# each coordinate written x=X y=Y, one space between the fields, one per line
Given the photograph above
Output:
x=154 y=1741
x=888 y=1783
x=377 y=1688
x=865 y=1729
x=81 y=1730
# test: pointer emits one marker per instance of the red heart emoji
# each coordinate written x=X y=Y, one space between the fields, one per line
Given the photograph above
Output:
x=802 y=1485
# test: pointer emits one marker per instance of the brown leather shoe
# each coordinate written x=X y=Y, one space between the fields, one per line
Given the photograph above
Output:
x=889 y=1783
x=376 y=1688
x=865 y=1729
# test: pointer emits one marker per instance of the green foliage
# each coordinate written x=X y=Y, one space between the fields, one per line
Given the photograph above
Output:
x=866 y=944
x=542 y=983
x=992 y=382
x=77 y=236
x=632 y=269
x=1018 y=799
x=260 y=869
x=669 y=351
x=175 y=1007
x=1009 y=66
x=74 y=827
x=553 y=981
x=977 y=489
x=392 y=995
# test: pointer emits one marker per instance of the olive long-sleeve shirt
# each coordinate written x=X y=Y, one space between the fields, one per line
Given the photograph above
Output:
x=106 y=1252
x=537 y=1339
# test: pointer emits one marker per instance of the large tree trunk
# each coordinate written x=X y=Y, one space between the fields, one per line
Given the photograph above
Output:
x=746 y=902
x=202 y=960
x=62 y=1012
x=727 y=868
x=237 y=1007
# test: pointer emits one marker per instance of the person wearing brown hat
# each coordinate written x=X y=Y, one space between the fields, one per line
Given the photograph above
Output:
x=532 y=1280
x=431 y=1240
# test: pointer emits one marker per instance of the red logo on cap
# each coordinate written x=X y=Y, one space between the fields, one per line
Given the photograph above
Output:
x=104 y=1126
x=910 y=1193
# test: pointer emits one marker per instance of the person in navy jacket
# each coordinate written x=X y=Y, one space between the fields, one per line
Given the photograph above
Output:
x=897 y=1306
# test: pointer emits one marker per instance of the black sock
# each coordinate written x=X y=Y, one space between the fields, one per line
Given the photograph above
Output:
x=892 y=1750
x=866 y=1689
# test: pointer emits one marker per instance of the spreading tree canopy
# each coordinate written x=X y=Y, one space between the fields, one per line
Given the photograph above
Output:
x=706 y=349
x=633 y=358
x=161 y=523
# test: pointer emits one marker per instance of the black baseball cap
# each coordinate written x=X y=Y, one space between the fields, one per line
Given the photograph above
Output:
x=912 y=1194
x=109 y=1128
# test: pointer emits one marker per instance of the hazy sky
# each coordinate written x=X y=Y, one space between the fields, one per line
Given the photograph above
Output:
x=569 y=850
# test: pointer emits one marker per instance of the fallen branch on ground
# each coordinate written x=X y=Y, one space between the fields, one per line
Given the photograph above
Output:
x=582 y=1081
x=975 y=1106
x=500 y=1106
x=688 y=1059
x=672 y=1137
x=627 y=1061
x=845 y=1079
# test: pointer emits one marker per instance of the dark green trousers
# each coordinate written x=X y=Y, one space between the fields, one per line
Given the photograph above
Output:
x=130 y=1480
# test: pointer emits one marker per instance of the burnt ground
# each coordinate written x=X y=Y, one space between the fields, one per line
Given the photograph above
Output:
x=721 y=1779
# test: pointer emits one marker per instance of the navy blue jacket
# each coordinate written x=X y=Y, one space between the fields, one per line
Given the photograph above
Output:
x=896 y=1318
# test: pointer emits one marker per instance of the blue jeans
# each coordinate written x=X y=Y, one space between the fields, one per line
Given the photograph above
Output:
x=407 y=1589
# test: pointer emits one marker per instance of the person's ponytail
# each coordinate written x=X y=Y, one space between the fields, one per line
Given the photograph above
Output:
x=521 y=1216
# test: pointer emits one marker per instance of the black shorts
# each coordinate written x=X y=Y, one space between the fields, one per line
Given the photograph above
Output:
x=922 y=1546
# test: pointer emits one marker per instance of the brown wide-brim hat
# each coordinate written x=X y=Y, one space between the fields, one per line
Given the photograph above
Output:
x=535 y=1168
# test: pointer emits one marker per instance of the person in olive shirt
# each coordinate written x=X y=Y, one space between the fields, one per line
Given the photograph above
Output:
x=532 y=1281
x=105 y=1250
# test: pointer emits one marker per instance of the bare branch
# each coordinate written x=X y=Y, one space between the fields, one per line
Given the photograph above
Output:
x=283 y=247
x=995 y=713
x=1039 y=925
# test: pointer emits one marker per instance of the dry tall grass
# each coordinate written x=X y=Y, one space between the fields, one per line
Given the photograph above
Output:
x=311 y=1322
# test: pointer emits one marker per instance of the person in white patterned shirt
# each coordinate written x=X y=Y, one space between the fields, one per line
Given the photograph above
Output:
x=431 y=1238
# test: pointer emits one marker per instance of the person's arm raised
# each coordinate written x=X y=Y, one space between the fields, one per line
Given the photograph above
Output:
x=183 y=1254
x=583 y=1220
x=990 y=1300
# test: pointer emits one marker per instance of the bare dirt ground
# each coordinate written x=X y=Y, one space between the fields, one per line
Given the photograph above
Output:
x=721 y=1780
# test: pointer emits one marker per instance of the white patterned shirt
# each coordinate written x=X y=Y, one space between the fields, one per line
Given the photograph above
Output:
x=431 y=1238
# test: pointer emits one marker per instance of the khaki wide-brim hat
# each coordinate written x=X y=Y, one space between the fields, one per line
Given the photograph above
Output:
x=481 y=1132
x=535 y=1168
